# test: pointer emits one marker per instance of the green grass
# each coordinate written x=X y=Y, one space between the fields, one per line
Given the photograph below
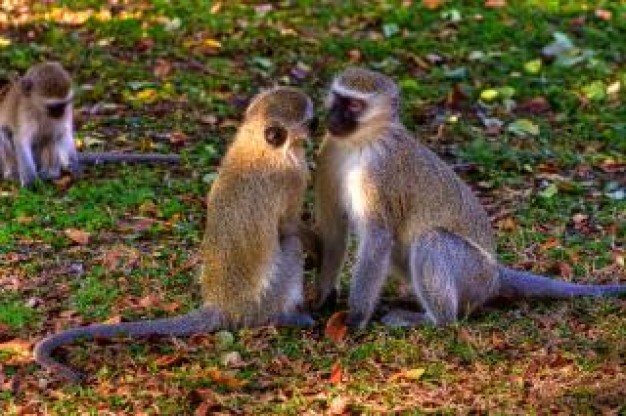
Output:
x=15 y=314
x=151 y=72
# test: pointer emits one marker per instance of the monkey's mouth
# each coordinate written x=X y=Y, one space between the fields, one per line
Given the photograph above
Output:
x=340 y=126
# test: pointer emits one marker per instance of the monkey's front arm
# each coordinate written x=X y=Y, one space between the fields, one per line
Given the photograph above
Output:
x=369 y=274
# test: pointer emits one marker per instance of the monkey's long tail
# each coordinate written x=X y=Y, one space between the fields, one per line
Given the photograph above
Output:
x=95 y=158
x=202 y=320
x=519 y=284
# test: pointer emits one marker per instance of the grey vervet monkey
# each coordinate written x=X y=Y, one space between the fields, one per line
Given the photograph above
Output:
x=37 y=132
x=411 y=213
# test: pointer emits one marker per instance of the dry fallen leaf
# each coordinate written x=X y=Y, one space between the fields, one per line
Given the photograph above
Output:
x=565 y=270
x=151 y=300
x=612 y=166
x=162 y=68
x=19 y=351
x=225 y=379
x=495 y=4
x=169 y=360
x=506 y=224
x=77 y=236
x=336 y=328
x=178 y=138
x=335 y=373
x=432 y=4
x=209 y=401
x=354 y=55
x=535 y=105
x=604 y=14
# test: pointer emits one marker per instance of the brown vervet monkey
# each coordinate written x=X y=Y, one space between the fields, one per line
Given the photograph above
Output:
x=412 y=214
x=37 y=132
x=252 y=271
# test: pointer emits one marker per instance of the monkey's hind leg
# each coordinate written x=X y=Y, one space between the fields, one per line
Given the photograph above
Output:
x=450 y=277
x=286 y=291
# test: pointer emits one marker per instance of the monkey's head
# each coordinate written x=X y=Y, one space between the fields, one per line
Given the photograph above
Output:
x=282 y=119
x=359 y=96
x=49 y=87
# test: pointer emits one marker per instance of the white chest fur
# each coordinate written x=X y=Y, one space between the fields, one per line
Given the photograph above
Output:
x=353 y=172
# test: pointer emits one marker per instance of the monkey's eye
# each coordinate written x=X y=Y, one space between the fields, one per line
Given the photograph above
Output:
x=355 y=105
x=275 y=135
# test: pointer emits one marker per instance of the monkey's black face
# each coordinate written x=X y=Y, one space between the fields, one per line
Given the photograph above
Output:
x=344 y=114
x=313 y=125
x=56 y=110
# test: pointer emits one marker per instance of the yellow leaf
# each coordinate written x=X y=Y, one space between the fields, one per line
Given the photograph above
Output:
x=613 y=88
x=19 y=351
x=4 y=42
x=215 y=9
x=533 y=67
x=412 y=374
x=225 y=379
x=212 y=43
x=147 y=96
x=488 y=94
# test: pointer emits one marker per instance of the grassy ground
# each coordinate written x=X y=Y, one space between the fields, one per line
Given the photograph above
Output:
x=544 y=140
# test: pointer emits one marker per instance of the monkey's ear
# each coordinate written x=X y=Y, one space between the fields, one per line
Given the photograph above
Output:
x=27 y=85
x=275 y=135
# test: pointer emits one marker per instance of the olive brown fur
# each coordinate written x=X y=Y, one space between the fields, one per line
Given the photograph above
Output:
x=252 y=260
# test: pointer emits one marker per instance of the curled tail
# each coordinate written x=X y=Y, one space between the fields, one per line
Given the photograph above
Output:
x=196 y=322
x=517 y=284
x=95 y=158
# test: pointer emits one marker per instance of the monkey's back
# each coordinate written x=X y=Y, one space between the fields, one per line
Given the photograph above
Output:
x=421 y=192
x=244 y=208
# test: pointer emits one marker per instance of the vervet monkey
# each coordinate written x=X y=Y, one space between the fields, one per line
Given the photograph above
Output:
x=37 y=132
x=252 y=271
x=411 y=213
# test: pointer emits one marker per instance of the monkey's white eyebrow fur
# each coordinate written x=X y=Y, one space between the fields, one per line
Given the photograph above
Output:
x=341 y=90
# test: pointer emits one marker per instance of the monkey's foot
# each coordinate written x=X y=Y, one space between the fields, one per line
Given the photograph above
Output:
x=50 y=175
x=356 y=321
x=294 y=319
x=403 y=318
